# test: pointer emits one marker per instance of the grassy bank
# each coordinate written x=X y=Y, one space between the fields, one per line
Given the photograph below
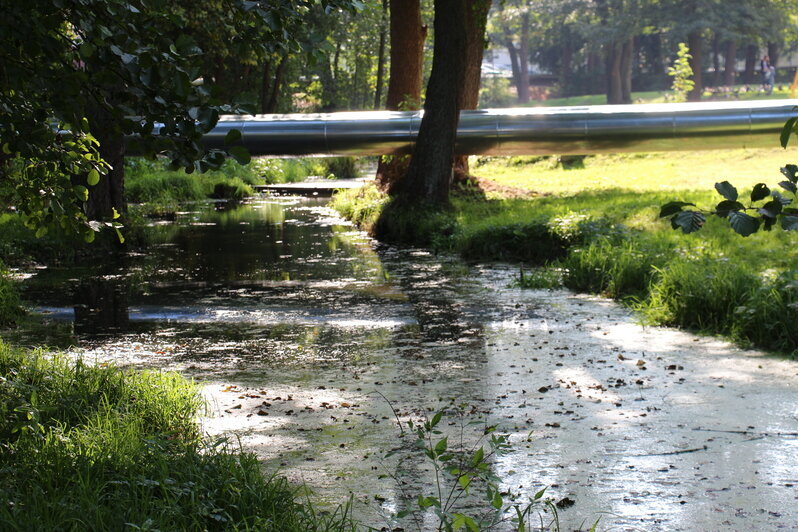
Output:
x=594 y=226
x=97 y=448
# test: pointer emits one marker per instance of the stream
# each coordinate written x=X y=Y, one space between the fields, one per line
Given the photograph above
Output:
x=314 y=344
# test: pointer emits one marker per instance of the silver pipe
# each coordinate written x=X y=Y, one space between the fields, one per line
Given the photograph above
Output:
x=521 y=131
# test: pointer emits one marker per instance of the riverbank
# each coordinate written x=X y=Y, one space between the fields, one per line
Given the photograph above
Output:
x=591 y=225
x=99 y=448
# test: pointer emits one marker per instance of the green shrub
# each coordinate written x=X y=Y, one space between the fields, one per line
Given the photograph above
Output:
x=231 y=189
x=769 y=317
x=531 y=242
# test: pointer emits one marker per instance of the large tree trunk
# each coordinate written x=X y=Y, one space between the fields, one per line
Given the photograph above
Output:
x=381 y=59
x=429 y=176
x=596 y=81
x=731 y=63
x=566 y=66
x=476 y=20
x=279 y=76
x=695 y=43
x=751 y=52
x=715 y=60
x=404 y=86
x=523 y=61
x=627 y=54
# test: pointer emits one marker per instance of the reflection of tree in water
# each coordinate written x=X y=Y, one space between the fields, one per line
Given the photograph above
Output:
x=101 y=306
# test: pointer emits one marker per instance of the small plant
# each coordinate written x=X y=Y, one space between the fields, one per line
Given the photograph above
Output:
x=681 y=71
x=466 y=493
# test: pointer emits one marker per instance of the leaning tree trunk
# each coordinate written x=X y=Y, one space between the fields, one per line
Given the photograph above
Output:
x=429 y=176
x=731 y=63
x=695 y=43
x=404 y=86
x=476 y=21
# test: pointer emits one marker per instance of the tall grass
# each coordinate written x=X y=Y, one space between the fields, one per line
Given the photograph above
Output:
x=10 y=305
x=84 y=447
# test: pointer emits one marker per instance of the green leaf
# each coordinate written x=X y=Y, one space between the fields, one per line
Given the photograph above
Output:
x=788 y=186
x=790 y=171
x=240 y=154
x=232 y=136
x=497 y=501
x=458 y=522
x=479 y=455
x=789 y=223
x=119 y=236
x=436 y=419
x=673 y=207
x=743 y=224
x=81 y=192
x=539 y=494
x=688 y=221
x=441 y=446
x=786 y=131
x=6 y=149
x=760 y=192
x=464 y=481
x=781 y=199
x=723 y=208
x=93 y=178
x=771 y=209
x=726 y=190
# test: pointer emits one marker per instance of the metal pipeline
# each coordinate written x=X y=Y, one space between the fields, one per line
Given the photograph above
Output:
x=522 y=131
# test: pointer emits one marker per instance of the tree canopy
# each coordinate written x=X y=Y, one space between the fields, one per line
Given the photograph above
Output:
x=79 y=76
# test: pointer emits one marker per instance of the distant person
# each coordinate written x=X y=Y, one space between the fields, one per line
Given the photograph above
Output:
x=768 y=74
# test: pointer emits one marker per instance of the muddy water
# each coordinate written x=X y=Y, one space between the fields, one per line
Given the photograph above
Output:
x=312 y=342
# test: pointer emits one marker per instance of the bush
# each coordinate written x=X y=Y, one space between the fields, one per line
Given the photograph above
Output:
x=341 y=167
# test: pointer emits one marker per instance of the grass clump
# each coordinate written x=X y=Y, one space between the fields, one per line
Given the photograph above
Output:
x=10 y=305
x=85 y=447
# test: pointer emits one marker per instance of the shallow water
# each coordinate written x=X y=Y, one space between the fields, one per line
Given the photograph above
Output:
x=312 y=341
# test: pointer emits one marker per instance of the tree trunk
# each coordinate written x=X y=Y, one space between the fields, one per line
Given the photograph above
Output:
x=657 y=61
x=404 y=85
x=595 y=83
x=109 y=194
x=773 y=53
x=731 y=63
x=513 y=52
x=715 y=60
x=627 y=54
x=523 y=61
x=279 y=76
x=381 y=59
x=429 y=176
x=476 y=20
x=612 y=57
x=566 y=65
x=695 y=43
x=751 y=53
x=265 y=86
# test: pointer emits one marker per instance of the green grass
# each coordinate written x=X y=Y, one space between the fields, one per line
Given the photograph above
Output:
x=85 y=447
x=780 y=92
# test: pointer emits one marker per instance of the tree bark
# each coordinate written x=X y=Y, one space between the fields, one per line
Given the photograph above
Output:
x=523 y=61
x=627 y=54
x=695 y=43
x=612 y=57
x=404 y=85
x=513 y=52
x=279 y=76
x=715 y=60
x=265 y=86
x=429 y=176
x=109 y=194
x=381 y=60
x=773 y=53
x=751 y=52
x=731 y=63
x=476 y=21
